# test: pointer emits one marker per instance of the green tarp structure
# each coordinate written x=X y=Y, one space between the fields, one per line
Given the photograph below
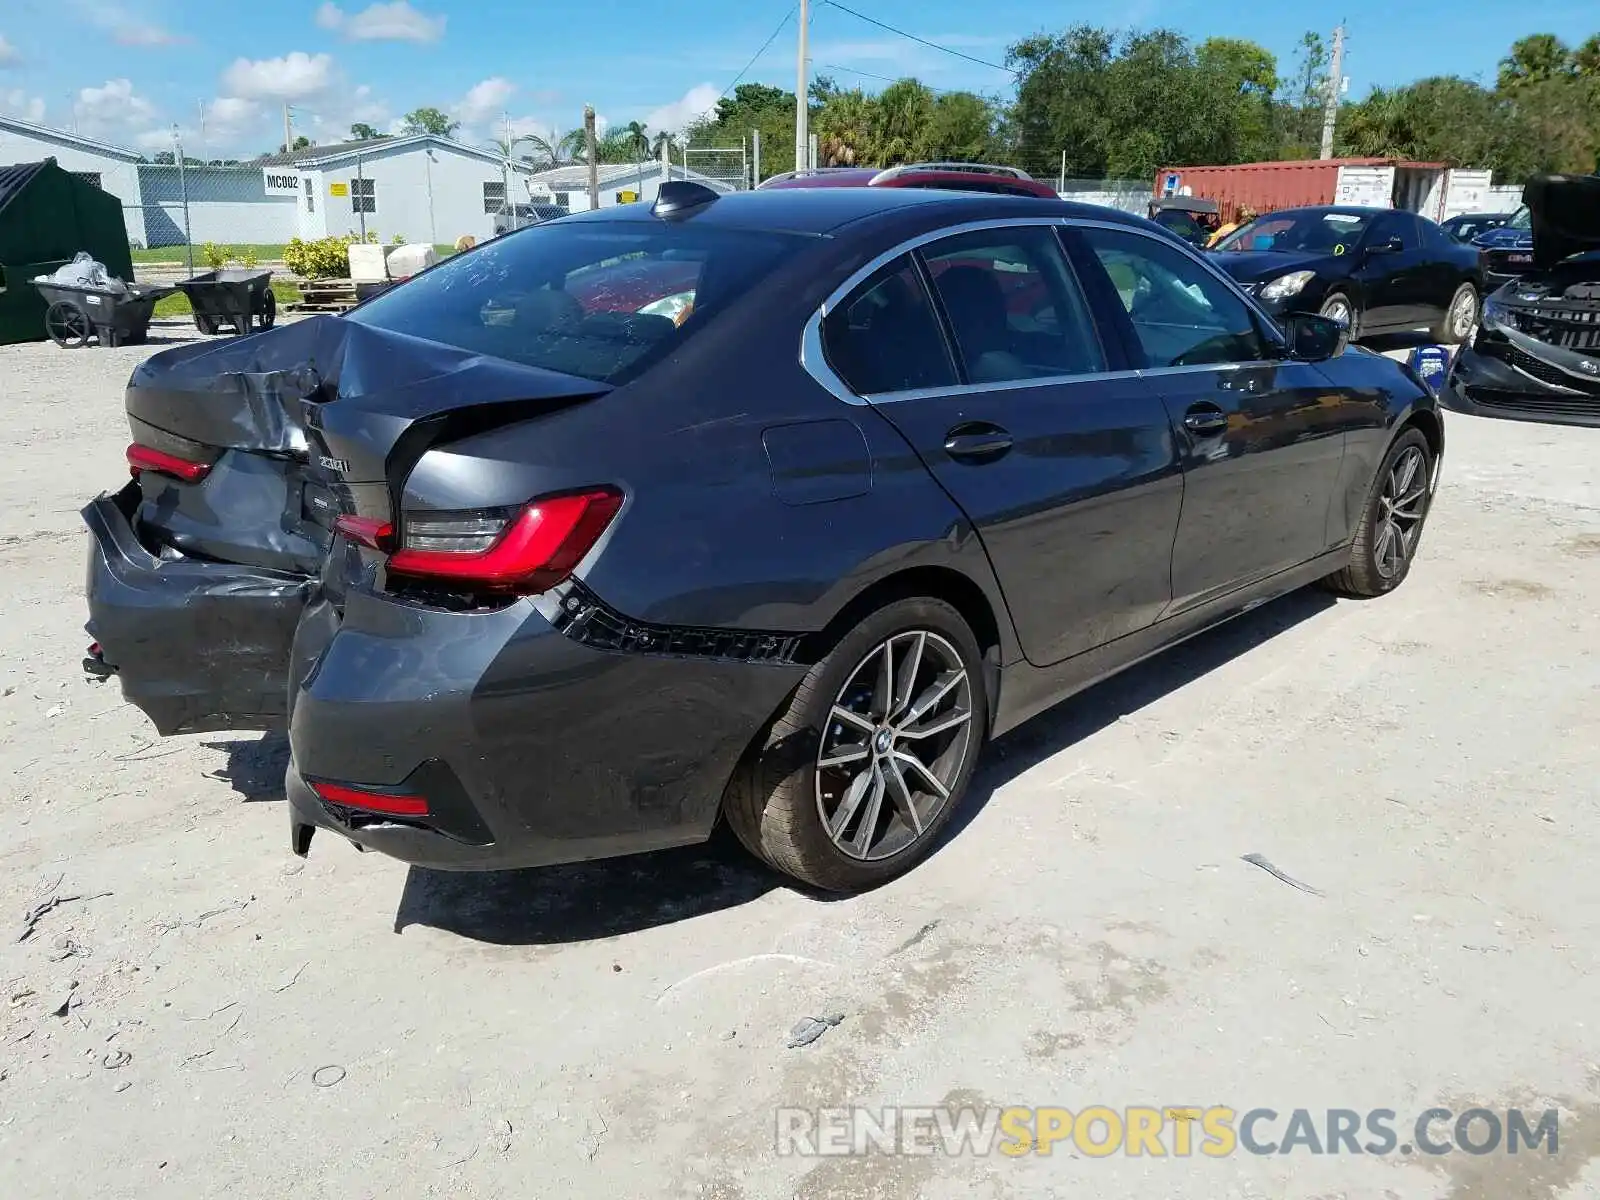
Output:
x=47 y=215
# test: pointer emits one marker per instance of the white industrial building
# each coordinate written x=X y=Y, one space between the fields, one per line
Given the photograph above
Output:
x=423 y=188
x=109 y=167
x=620 y=183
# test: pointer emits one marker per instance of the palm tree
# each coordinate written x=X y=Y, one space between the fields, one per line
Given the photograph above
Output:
x=546 y=152
x=637 y=137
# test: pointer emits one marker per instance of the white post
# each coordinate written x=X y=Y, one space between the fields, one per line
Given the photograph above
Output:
x=1330 y=113
x=802 y=109
x=755 y=145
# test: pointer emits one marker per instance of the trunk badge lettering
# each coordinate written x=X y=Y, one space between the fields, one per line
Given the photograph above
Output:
x=334 y=464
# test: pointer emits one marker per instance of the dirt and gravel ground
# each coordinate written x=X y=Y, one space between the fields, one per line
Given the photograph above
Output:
x=216 y=1018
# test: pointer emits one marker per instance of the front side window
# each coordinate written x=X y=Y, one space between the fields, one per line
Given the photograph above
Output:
x=1391 y=225
x=885 y=336
x=1013 y=305
x=1181 y=314
x=602 y=302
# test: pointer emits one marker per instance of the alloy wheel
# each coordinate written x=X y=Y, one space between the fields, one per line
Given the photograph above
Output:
x=1462 y=315
x=1401 y=507
x=1337 y=310
x=897 y=738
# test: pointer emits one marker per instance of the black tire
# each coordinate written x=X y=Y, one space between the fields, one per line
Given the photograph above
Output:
x=205 y=324
x=1333 y=301
x=774 y=803
x=1444 y=330
x=269 y=310
x=1367 y=576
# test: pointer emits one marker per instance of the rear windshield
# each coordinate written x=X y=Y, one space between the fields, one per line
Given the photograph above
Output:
x=601 y=301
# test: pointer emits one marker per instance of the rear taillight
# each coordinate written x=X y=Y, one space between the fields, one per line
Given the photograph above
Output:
x=143 y=458
x=528 y=550
x=370 y=532
x=390 y=803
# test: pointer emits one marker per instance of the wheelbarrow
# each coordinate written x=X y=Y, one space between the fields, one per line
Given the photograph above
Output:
x=76 y=314
x=236 y=298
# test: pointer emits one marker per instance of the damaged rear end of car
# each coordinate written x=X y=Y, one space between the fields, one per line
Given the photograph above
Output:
x=1536 y=355
x=372 y=530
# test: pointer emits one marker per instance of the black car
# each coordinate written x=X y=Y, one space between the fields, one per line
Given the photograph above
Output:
x=1467 y=226
x=1188 y=217
x=1537 y=352
x=1377 y=270
x=770 y=507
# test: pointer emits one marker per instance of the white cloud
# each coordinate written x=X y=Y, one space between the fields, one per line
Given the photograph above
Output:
x=126 y=27
x=485 y=101
x=161 y=139
x=332 y=121
x=393 y=22
x=18 y=103
x=675 y=117
x=10 y=56
x=113 y=110
x=295 y=76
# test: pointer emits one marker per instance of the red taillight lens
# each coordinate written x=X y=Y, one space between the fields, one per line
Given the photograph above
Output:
x=378 y=802
x=367 y=531
x=143 y=458
x=531 y=551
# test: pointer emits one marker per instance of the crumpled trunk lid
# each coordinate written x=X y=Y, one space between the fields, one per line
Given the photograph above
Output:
x=311 y=420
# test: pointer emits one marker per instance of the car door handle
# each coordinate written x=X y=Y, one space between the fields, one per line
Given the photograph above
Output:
x=977 y=441
x=1205 y=420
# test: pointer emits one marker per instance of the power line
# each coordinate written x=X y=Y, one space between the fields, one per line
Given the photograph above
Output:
x=870 y=75
x=764 y=45
x=913 y=37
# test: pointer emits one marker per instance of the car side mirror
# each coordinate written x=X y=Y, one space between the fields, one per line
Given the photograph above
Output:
x=1314 y=338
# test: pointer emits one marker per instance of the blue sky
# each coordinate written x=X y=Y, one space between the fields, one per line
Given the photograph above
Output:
x=128 y=70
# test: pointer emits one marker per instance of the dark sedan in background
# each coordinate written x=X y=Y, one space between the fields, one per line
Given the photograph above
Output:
x=1537 y=352
x=1377 y=270
x=1468 y=226
x=770 y=508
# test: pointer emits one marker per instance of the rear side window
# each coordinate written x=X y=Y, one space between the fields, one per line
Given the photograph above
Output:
x=1013 y=305
x=885 y=337
x=601 y=301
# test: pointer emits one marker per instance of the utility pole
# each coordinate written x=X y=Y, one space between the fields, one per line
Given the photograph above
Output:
x=1330 y=114
x=755 y=146
x=590 y=154
x=802 y=109
x=288 y=131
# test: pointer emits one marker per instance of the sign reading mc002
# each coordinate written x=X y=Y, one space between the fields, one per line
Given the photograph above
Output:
x=279 y=182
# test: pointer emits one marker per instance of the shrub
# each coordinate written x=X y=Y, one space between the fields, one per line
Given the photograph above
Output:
x=216 y=256
x=249 y=259
x=326 y=258
x=399 y=240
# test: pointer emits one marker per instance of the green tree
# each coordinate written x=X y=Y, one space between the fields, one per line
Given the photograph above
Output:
x=844 y=124
x=901 y=118
x=362 y=132
x=752 y=106
x=961 y=128
x=430 y=120
x=1535 y=59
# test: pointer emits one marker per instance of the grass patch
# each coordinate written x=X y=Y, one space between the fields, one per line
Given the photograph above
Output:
x=177 y=304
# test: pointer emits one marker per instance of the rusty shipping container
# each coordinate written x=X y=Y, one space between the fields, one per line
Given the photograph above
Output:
x=1265 y=186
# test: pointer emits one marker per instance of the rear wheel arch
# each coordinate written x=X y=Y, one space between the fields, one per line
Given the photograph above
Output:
x=940 y=583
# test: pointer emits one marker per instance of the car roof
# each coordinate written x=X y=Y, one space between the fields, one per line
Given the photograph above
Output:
x=823 y=210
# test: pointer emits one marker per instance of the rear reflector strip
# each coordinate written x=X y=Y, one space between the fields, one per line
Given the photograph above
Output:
x=375 y=802
x=143 y=458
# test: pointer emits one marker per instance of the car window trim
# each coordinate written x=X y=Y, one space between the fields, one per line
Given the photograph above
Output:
x=814 y=361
